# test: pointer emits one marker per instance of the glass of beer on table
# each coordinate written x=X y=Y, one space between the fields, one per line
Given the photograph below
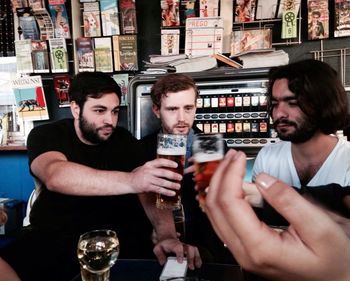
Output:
x=97 y=252
x=208 y=151
x=172 y=147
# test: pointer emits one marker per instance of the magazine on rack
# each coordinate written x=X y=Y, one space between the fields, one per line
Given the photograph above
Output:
x=170 y=12
x=110 y=17
x=318 y=19
x=60 y=20
x=61 y=84
x=128 y=22
x=250 y=39
x=266 y=9
x=36 y=4
x=24 y=56
x=170 y=41
x=40 y=57
x=58 y=55
x=30 y=98
x=342 y=18
x=244 y=10
x=103 y=54
x=187 y=10
x=122 y=80
x=27 y=26
x=85 y=54
x=45 y=24
x=209 y=8
x=287 y=5
x=91 y=17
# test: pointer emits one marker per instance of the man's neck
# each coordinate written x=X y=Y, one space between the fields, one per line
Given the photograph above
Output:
x=309 y=156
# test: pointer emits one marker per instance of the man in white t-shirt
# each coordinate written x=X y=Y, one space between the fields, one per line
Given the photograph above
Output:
x=308 y=104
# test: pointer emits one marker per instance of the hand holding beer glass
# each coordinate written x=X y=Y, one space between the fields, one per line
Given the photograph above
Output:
x=208 y=151
x=172 y=147
x=97 y=252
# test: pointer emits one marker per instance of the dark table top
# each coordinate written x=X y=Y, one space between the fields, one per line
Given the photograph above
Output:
x=150 y=270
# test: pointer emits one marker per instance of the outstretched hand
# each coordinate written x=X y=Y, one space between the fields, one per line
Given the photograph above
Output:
x=316 y=245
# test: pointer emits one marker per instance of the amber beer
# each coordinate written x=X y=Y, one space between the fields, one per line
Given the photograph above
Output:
x=172 y=147
x=205 y=168
x=208 y=150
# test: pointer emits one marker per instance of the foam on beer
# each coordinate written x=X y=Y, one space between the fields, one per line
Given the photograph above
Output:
x=171 y=151
x=201 y=157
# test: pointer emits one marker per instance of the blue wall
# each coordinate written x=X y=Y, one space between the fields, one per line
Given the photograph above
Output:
x=15 y=179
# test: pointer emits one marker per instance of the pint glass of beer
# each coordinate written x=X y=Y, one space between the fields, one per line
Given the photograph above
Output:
x=208 y=150
x=172 y=147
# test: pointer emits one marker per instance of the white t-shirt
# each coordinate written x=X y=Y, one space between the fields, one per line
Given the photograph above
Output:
x=276 y=160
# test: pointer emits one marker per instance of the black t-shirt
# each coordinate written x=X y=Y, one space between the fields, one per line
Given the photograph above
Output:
x=73 y=215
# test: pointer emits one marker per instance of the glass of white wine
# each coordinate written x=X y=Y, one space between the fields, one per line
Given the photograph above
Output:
x=97 y=252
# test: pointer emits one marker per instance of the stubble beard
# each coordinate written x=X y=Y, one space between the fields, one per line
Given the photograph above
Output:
x=302 y=133
x=90 y=132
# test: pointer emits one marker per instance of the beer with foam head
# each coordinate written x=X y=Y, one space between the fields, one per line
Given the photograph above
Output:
x=208 y=151
x=172 y=147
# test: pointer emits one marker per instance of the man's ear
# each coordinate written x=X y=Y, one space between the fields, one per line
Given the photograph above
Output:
x=75 y=109
x=156 y=110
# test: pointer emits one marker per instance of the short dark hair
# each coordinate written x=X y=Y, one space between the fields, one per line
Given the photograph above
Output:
x=173 y=82
x=92 y=85
x=318 y=90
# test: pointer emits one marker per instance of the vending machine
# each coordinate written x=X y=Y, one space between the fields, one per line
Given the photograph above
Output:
x=231 y=102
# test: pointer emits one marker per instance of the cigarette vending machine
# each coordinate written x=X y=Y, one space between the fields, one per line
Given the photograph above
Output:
x=231 y=102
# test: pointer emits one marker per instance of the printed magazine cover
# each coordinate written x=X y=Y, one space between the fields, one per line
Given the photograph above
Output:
x=58 y=54
x=27 y=26
x=128 y=16
x=170 y=41
x=266 y=9
x=24 y=56
x=110 y=17
x=318 y=19
x=244 y=11
x=30 y=98
x=287 y=5
x=208 y=8
x=170 y=12
x=60 y=20
x=44 y=22
x=128 y=52
x=85 y=54
x=342 y=18
x=123 y=82
x=61 y=85
x=103 y=54
x=246 y=40
x=92 y=22
x=40 y=57
x=187 y=10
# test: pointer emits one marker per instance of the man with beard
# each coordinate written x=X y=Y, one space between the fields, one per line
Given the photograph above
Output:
x=308 y=104
x=174 y=99
x=87 y=172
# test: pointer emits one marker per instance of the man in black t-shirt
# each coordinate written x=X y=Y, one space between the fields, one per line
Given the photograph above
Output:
x=87 y=173
x=174 y=99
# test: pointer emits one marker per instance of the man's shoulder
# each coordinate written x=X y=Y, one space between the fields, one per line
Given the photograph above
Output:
x=55 y=126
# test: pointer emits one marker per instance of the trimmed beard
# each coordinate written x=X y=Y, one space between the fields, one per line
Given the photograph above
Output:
x=90 y=132
x=304 y=132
